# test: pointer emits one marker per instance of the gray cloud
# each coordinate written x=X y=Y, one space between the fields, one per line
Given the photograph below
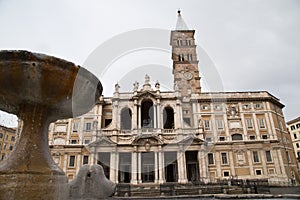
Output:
x=254 y=44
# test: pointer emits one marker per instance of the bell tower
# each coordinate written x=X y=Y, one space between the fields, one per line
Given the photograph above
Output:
x=184 y=56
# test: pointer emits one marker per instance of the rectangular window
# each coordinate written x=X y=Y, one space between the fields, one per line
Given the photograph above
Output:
x=181 y=57
x=75 y=126
x=11 y=147
x=4 y=146
x=297 y=145
x=73 y=141
x=210 y=157
x=188 y=42
x=220 y=124
x=264 y=137
x=258 y=106
x=6 y=137
x=246 y=106
x=72 y=161
x=222 y=138
x=179 y=42
x=12 y=138
x=208 y=139
x=190 y=57
x=249 y=123
x=295 y=136
x=252 y=137
x=1 y=135
x=85 y=160
x=292 y=127
x=261 y=123
x=86 y=141
x=268 y=156
x=226 y=173
x=88 y=126
x=224 y=158
x=255 y=157
x=258 y=172
x=297 y=125
x=206 y=125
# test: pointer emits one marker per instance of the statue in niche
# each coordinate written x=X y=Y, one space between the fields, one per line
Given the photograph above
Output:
x=232 y=111
x=199 y=122
x=95 y=124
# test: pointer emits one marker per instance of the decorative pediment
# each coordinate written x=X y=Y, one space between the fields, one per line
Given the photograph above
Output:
x=143 y=139
x=191 y=139
x=146 y=94
x=102 y=141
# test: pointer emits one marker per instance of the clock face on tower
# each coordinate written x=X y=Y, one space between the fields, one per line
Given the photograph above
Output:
x=187 y=75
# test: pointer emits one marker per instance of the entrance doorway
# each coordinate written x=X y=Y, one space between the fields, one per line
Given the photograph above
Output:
x=147 y=115
x=124 y=167
x=147 y=167
x=192 y=165
x=104 y=161
x=171 y=170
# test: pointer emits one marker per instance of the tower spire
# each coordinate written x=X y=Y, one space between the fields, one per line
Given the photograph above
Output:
x=180 y=25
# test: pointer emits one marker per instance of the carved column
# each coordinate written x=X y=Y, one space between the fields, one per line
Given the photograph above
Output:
x=135 y=115
x=250 y=162
x=281 y=162
x=256 y=126
x=100 y=114
x=195 y=115
x=156 y=167
x=276 y=162
x=268 y=126
x=139 y=117
x=182 y=177
x=218 y=164
x=161 y=164
x=263 y=161
x=134 y=171
x=139 y=167
x=155 y=116
x=79 y=163
x=159 y=117
x=231 y=163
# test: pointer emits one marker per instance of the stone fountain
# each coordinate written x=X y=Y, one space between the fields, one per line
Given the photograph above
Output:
x=40 y=89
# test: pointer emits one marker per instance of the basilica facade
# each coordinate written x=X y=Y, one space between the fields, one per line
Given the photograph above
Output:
x=151 y=136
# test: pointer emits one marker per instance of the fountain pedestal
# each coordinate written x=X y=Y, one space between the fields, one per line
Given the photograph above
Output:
x=40 y=89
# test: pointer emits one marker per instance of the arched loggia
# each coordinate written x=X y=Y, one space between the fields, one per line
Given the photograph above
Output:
x=168 y=118
x=147 y=114
x=126 y=119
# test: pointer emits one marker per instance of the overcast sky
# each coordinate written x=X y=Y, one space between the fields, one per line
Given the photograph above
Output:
x=254 y=44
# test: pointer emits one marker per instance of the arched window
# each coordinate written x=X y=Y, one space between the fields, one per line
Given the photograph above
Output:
x=147 y=115
x=126 y=119
x=237 y=137
x=168 y=118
